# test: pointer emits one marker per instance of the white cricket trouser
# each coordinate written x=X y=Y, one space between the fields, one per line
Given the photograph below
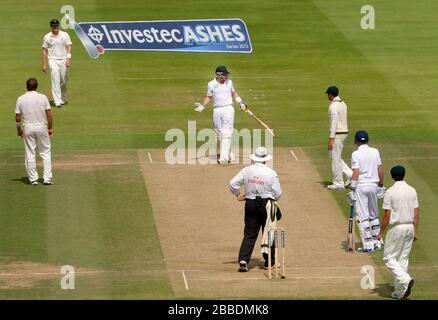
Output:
x=37 y=136
x=367 y=214
x=223 y=119
x=58 y=73
x=338 y=165
x=398 y=245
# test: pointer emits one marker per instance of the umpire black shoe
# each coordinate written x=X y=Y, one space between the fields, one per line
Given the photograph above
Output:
x=243 y=267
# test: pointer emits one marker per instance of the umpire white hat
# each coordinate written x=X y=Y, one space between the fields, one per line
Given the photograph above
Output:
x=261 y=155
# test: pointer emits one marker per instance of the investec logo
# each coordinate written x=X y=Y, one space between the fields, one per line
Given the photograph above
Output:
x=201 y=34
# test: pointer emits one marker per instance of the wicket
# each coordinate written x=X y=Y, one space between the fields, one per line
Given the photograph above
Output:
x=273 y=235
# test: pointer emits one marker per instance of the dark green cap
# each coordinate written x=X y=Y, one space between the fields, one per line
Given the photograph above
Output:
x=333 y=90
x=54 y=22
x=398 y=171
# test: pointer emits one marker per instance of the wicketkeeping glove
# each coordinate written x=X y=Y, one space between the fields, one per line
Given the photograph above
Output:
x=381 y=192
x=199 y=107
x=351 y=198
x=243 y=106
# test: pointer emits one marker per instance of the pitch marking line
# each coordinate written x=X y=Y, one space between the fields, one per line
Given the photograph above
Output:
x=293 y=155
x=287 y=277
x=175 y=78
x=150 y=157
x=185 y=280
x=94 y=164
x=196 y=270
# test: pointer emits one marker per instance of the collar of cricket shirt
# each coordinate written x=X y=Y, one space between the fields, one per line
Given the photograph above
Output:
x=336 y=99
x=363 y=146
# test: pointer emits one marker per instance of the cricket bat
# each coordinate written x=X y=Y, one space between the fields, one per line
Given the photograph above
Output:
x=86 y=42
x=264 y=125
x=350 y=236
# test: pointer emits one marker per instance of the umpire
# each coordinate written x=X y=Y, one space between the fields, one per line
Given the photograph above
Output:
x=260 y=184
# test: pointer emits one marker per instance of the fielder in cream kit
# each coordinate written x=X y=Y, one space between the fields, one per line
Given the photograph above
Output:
x=222 y=91
x=338 y=134
x=57 y=50
x=33 y=119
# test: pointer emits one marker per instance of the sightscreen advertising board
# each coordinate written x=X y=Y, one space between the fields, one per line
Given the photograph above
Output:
x=222 y=35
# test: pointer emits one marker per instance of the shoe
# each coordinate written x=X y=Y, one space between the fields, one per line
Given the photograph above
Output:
x=34 y=183
x=408 y=290
x=395 y=295
x=48 y=182
x=335 y=187
x=365 y=250
x=58 y=105
x=64 y=103
x=348 y=182
x=243 y=267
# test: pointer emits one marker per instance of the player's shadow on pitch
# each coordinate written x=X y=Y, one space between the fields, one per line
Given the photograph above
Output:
x=253 y=264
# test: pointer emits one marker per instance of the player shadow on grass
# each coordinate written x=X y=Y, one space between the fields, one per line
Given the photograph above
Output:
x=25 y=180
x=383 y=290
x=253 y=264
x=324 y=183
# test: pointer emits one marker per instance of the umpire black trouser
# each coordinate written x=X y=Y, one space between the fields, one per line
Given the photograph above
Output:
x=255 y=218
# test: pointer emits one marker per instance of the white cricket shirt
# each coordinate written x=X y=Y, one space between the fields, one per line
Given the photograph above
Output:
x=401 y=199
x=56 y=45
x=222 y=93
x=367 y=160
x=32 y=106
x=258 y=180
x=337 y=117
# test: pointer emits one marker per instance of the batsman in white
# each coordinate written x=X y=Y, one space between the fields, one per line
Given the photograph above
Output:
x=366 y=186
x=338 y=128
x=33 y=119
x=222 y=91
x=401 y=216
x=57 y=48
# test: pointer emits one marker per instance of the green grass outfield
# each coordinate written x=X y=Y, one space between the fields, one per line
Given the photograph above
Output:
x=103 y=220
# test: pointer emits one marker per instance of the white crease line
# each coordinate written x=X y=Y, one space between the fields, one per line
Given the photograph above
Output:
x=303 y=268
x=195 y=270
x=287 y=277
x=52 y=273
x=293 y=154
x=150 y=157
x=185 y=280
x=174 y=78
x=75 y=164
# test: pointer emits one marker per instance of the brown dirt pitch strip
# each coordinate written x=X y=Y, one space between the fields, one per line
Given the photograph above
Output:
x=200 y=226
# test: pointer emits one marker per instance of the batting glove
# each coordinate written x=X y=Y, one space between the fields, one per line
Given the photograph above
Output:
x=243 y=106
x=351 y=198
x=199 y=107
x=381 y=192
